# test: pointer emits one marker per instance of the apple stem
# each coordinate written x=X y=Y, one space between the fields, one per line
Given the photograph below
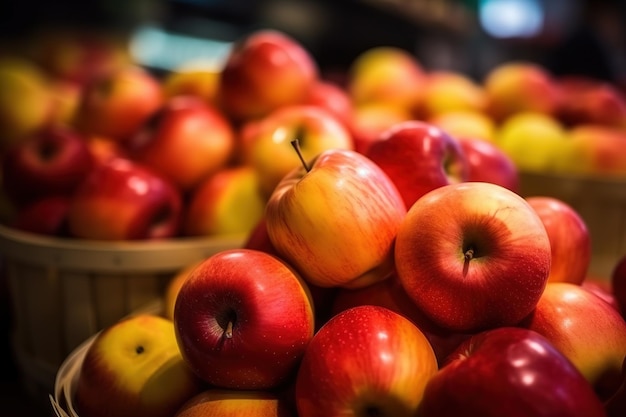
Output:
x=469 y=254
x=228 y=333
x=296 y=145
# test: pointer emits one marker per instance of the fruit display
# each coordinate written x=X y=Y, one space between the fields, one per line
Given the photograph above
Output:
x=391 y=265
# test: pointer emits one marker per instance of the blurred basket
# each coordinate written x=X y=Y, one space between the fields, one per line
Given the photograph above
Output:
x=65 y=290
x=601 y=202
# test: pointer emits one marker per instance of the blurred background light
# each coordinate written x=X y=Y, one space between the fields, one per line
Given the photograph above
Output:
x=511 y=18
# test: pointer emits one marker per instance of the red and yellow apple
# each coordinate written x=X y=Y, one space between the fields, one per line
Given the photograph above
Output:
x=214 y=402
x=488 y=163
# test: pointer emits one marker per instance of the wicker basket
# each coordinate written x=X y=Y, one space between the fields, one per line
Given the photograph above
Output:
x=65 y=290
x=602 y=205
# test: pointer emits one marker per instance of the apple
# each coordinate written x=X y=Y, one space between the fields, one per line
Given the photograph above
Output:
x=593 y=150
x=52 y=161
x=488 y=163
x=134 y=368
x=618 y=283
x=372 y=119
x=332 y=97
x=365 y=361
x=335 y=219
x=390 y=294
x=25 y=99
x=265 y=70
x=105 y=149
x=534 y=141
x=173 y=288
x=65 y=97
x=214 y=402
x=570 y=240
x=473 y=256
x=123 y=200
x=418 y=157
x=45 y=216
x=227 y=202
x=186 y=142
x=118 y=103
x=510 y=372
x=387 y=74
x=586 y=329
x=466 y=123
x=601 y=287
x=243 y=319
x=197 y=81
x=590 y=101
x=270 y=151
x=520 y=86
x=451 y=91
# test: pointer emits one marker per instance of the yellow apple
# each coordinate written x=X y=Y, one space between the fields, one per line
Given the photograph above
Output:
x=227 y=202
x=532 y=140
x=25 y=99
x=386 y=74
x=134 y=368
x=189 y=80
x=467 y=124
x=448 y=91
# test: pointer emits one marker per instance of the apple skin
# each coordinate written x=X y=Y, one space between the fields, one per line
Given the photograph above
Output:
x=134 y=368
x=586 y=329
x=123 y=200
x=418 y=157
x=448 y=91
x=46 y=216
x=616 y=405
x=372 y=119
x=366 y=360
x=214 y=402
x=473 y=256
x=488 y=163
x=269 y=308
x=351 y=248
x=570 y=239
x=390 y=294
x=53 y=161
x=187 y=141
x=333 y=98
x=228 y=202
x=270 y=150
x=265 y=70
x=618 y=283
x=602 y=288
x=512 y=372
x=118 y=103
x=466 y=123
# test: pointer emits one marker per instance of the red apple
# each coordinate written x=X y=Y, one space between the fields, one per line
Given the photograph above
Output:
x=123 y=200
x=265 y=70
x=509 y=372
x=46 y=216
x=586 y=329
x=418 y=157
x=473 y=256
x=51 y=162
x=118 y=103
x=335 y=220
x=270 y=151
x=570 y=240
x=488 y=163
x=365 y=361
x=187 y=141
x=243 y=320
x=618 y=283
x=602 y=288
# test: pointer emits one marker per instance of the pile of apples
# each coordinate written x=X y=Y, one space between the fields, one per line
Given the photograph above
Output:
x=390 y=267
